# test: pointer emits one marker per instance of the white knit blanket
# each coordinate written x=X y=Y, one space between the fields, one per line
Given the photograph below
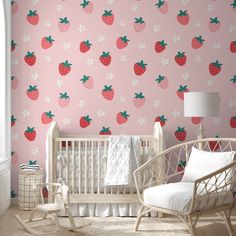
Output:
x=123 y=159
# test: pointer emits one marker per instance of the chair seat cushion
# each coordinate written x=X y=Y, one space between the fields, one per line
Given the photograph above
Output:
x=48 y=207
x=177 y=197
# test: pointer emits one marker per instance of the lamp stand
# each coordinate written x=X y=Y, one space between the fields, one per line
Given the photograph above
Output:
x=201 y=130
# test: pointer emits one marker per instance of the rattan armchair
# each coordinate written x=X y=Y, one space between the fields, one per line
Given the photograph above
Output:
x=165 y=190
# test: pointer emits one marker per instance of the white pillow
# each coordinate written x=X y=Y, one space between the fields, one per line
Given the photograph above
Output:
x=202 y=163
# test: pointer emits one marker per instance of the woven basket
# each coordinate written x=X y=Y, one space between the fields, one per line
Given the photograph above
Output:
x=26 y=193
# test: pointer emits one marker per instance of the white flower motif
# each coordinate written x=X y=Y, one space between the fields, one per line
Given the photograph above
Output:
x=110 y=77
x=141 y=121
x=66 y=45
x=25 y=113
x=216 y=45
x=185 y=76
x=156 y=28
x=34 y=2
x=14 y=61
x=210 y=82
x=232 y=103
x=34 y=76
x=185 y=2
x=48 y=58
x=101 y=38
x=34 y=151
x=60 y=83
x=232 y=28
x=89 y=61
x=81 y=28
x=176 y=38
x=101 y=113
x=156 y=103
x=66 y=121
x=60 y=8
x=164 y=61
x=81 y=103
x=47 y=23
x=197 y=24
x=26 y=38
x=14 y=136
x=122 y=24
x=134 y=82
x=109 y=2
x=216 y=120
x=141 y=45
x=176 y=113
x=198 y=58
x=47 y=99
x=122 y=99
x=210 y=7
x=123 y=58
x=135 y=7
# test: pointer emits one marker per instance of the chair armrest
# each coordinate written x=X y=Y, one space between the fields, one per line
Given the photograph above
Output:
x=214 y=187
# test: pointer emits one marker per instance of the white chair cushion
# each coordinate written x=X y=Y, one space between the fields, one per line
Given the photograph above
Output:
x=202 y=163
x=177 y=197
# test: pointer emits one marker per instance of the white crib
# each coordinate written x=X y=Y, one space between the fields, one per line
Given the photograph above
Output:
x=81 y=162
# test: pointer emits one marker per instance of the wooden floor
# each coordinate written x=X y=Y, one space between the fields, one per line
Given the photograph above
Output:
x=101 y=226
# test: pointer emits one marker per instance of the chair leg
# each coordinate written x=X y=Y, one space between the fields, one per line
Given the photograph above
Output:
x=191 y=225
x=142 y=212
x=72 y=222
x=226 y=217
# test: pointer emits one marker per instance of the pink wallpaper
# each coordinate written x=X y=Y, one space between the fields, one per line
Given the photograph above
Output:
x=102 y=67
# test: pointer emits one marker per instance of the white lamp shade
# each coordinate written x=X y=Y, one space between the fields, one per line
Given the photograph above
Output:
x=201 y=104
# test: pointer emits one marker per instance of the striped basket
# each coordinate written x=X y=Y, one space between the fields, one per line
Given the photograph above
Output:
x=26 y=193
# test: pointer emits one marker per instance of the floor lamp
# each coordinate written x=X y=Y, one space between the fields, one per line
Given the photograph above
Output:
x=201 y=104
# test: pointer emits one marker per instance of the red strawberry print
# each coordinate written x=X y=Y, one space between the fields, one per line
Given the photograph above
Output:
x=85 y=121
x=215 y=68
x=108 y=17
x=85 y=46
x=33 y=92
x=30 y=58
x=180 y=58
x=87 y=6
x=181 y=166
x=122 y=42
x=233 y=4
x=160 y=46
x=233 y=46
x=180 y=134
x=46 y=117
x=196 y=120
x=14 y=158
x=162 y=6
x=14 y=82
x=214 y=24
x=13 y=45
x=13 y=121
x=47 y=42
x=139 y=68
x=30 y=134
x=161 y=119
x=105 y=58
x=139 y=24
x=87 y=81
x=214 y=145
x=122 y=117
x=181 y=91
x=14 y=7
x=108 y=92
x=162 y=81
x=64 y=68
x=233 y=80
x=63 y=100
x=33 y=17
x=105 y=131
x=183 y=17
x=63 y=24
x=233 y=122
x=139 y=99
x=197 y=42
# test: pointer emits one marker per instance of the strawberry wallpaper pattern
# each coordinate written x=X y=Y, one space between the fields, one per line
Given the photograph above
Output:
x=114 y=67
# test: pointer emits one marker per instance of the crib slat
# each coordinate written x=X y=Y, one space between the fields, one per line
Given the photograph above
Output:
x=85 y=165
x=79 y=155
x=73 y=167
x=92 y=157
x=98 y=151
x=67 y=161
x=105 y=163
